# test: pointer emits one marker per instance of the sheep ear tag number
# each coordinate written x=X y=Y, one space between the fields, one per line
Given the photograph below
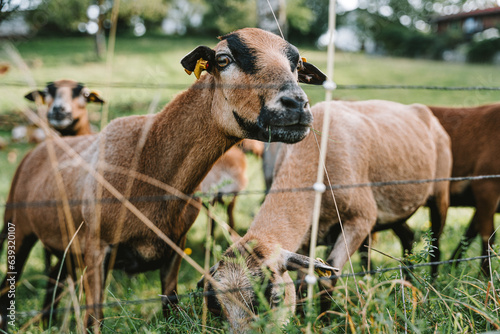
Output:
x=323 y=272
x=201 y=65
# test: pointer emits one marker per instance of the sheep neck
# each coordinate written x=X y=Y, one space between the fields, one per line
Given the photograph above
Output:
x=185 y=141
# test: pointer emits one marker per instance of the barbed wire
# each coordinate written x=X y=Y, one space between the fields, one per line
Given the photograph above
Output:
x=207 y=196
x=129 y=85
x=198 y=294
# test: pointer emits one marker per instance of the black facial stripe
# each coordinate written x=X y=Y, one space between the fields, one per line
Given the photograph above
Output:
x=293 y=56
x=244 y=56
x=51 y=88
x=250 y=128
x=268 y=292
x=77 y=90
x=212 y=303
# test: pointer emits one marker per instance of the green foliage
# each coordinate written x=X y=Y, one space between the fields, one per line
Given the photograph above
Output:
x=397 y=40
x=484 y=51
x=427 y=251
x=59 y=15
x=299 y=16
x=307 y=20
x=224 y=16
x=63 y=16
x=149 y=10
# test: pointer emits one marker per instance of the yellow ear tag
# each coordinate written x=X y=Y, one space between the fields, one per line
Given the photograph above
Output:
x=323 y=272
x=301 y=62
x=201 y=65
x=93 y=95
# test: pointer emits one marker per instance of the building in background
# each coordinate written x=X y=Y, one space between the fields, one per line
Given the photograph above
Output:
x=469 y=23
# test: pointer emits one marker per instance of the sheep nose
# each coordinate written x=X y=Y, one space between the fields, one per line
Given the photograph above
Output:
x=293 y=104
x=58 y=113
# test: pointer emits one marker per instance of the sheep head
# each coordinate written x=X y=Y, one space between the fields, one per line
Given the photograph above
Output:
x=255 y=74
x=66 y=101
x=251 y=274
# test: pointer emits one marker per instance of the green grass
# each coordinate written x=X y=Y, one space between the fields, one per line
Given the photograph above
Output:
x=456 y=302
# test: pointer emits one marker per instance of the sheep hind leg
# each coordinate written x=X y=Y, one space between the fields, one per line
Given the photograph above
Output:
x=438 y=219
x=487 y=196
x=168 y=276
x=22 y=247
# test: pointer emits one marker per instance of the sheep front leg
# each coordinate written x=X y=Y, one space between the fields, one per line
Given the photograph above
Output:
x=356 y=230
x=94 y=280
x=168 y=276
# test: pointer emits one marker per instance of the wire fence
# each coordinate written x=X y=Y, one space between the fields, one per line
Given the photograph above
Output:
x=198 y=294
x=207 y=196
x=129 y=85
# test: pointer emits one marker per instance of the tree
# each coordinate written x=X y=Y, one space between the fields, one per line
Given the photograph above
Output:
x=7 y=8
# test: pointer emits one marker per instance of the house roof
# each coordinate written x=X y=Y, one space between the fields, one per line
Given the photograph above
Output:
x=480 y=12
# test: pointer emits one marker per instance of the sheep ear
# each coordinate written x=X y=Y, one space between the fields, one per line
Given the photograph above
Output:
x=310 y=74
x=201 y=58
x=32 y=96
x=293 y=261
x=94 y=96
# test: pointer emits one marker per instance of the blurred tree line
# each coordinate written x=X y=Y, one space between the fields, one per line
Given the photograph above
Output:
x=303 y=19
x=398 y=27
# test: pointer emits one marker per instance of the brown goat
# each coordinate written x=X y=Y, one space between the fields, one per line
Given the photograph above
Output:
x=474 y=142
x=370 y=141
x=66 y=101
x=250 y=91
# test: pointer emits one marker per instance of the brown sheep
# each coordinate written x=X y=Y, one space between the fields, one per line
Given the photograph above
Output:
x=250 y=91
x=370 y=141
x=66 y=101
x=474 y=142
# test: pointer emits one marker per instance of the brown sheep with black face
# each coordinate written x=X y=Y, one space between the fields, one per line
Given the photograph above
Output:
x=66 y=102
x=250 y=91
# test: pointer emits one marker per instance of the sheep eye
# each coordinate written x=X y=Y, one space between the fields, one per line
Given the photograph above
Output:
x=223 y=60
x=300 y=65
x=276 y=300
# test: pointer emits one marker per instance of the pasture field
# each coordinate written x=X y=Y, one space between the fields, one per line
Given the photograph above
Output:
x=460 y=300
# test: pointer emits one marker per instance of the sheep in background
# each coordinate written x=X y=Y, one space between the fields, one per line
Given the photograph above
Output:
x=66 y=102
x=228 y=175
x=474 y=142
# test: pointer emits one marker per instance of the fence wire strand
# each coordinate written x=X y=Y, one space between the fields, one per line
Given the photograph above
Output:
x=177 y=86
x=198 y=294
x=207 y=196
